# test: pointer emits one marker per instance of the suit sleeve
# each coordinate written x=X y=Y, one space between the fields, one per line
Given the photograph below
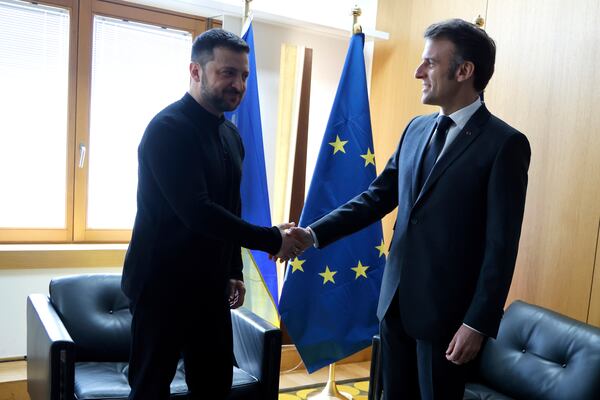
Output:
x=171 y=157
x=506 y=190
x=368 y=207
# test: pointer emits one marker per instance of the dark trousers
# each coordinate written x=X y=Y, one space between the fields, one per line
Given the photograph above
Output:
x=162 y=334
x=416 y=369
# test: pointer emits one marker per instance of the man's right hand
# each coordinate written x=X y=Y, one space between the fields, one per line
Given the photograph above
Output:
x=294 y=241
x=290 y=247
x=303 y=236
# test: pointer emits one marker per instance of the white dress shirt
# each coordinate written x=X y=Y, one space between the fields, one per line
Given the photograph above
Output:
x=459 y=119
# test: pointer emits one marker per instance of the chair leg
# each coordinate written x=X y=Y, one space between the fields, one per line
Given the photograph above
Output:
x=375 y=384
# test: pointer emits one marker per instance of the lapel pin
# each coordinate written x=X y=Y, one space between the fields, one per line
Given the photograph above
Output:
x=468 y=133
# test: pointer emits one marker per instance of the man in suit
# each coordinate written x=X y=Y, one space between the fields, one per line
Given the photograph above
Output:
x=458 y=178
x=183 y=268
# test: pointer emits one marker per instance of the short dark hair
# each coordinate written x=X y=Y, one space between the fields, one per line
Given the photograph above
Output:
x=471 y=43
x=205 y=43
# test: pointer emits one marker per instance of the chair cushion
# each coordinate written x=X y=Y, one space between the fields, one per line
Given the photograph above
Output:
x=96 y=314
x=108 y=381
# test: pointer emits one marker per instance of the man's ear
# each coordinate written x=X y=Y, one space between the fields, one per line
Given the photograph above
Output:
x=195 y=72
x=465 y=71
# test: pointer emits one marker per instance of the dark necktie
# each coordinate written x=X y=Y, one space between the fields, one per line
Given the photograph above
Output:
x=435 y=147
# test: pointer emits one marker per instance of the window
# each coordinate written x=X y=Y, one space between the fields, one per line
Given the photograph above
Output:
x=34 y=77
x=80 y=81
x=121 y=107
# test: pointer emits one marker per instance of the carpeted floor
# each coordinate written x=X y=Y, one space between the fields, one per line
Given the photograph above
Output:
x=358 y=389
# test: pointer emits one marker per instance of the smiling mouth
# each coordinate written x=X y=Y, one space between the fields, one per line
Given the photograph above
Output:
x=233 y=95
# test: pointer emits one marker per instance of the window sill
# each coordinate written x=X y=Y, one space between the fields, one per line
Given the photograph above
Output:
x=20 y=256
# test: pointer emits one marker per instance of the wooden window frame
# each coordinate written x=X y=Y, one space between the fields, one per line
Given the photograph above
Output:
x=49 y=235
x=81 y=14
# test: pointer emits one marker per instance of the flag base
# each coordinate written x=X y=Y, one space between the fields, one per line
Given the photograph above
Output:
x=330 y=391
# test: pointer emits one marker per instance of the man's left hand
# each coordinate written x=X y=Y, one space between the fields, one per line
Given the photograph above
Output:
x=465 y=345
x=237 y=291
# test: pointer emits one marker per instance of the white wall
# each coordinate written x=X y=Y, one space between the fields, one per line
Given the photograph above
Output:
x=330 y=13
x=328 y=59
x=15 y=286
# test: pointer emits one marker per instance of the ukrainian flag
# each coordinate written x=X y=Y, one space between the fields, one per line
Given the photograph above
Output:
x=260 y=274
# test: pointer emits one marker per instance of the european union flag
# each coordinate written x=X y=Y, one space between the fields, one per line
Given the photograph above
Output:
x=260 y=274
x=329 y=298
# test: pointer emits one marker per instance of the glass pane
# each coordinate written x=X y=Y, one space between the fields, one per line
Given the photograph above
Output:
x=34 y=62
x=137 y=70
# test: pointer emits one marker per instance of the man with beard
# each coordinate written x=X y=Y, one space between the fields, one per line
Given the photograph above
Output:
x=183 y=268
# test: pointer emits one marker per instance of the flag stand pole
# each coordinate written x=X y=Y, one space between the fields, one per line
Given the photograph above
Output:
x=330 y=391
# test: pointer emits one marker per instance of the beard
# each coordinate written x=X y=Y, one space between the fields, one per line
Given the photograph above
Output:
x=219 y=99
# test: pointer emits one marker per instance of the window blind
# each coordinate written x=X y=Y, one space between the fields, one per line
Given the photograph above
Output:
x=137 y=70
x=34 y=62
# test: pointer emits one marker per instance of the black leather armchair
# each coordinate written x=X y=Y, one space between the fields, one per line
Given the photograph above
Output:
x=538 y=355
x=78 y=345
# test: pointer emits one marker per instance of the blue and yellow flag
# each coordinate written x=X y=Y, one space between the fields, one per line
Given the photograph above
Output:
x=329 y=298
x=260 y=274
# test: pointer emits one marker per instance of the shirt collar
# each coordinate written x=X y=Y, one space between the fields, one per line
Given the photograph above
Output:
x=462 y=116
x=199 y=113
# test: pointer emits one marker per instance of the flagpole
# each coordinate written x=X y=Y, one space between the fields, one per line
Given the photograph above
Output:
x=356 y=12
x=246 y=11
x=480 y=22
x=330 y=391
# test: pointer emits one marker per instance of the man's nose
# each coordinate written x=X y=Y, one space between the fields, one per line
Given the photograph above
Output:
x=239 y=83
x=419 y=72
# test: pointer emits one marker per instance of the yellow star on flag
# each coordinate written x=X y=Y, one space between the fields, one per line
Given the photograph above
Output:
x=369 y=157
x=328 y=275
x=361 y=270
x=297 y=265
x=381 y=248
x=338 y=145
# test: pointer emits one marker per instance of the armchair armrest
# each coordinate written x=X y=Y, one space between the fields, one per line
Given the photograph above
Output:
x=257 y=349
x=50 y=352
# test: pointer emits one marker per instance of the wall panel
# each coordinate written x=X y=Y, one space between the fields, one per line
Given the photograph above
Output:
x=547 y=84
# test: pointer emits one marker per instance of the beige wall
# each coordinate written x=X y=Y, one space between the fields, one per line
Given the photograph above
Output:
x=547 y=84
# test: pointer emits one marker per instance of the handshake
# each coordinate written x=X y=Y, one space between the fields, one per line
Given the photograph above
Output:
x=294 y=240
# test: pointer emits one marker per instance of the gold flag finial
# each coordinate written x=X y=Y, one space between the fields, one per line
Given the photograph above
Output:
x=479 y=21
x=356 y=12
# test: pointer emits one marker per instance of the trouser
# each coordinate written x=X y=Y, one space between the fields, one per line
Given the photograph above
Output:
x=416 y=369
x=163 y=333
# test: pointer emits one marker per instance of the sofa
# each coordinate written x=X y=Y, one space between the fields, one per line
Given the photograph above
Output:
x=537 y=355
x=78 y=342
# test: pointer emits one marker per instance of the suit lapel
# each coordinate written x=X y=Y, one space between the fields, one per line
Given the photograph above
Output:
x=471 y=131
x=418 y=156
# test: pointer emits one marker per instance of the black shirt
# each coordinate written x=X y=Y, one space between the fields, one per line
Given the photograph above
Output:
x=188 y=232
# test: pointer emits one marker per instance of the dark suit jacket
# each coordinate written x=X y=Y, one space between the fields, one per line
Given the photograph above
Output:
x=187 y=232
x=455 y=242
